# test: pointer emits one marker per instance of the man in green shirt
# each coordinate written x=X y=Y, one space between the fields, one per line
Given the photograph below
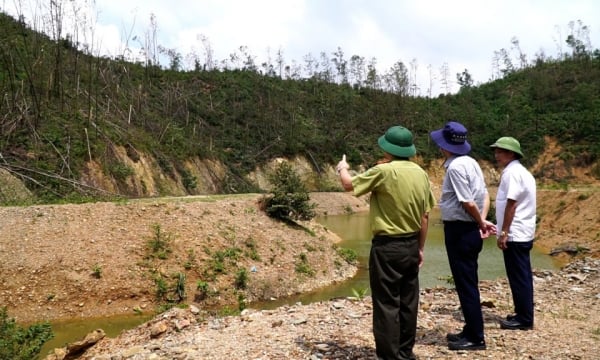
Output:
x=400 y=201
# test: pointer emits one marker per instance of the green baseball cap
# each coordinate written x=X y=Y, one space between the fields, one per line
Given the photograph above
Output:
x=508 y=143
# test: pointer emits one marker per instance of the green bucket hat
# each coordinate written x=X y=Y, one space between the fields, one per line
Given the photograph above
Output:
x=508 y=143
x=398 y=141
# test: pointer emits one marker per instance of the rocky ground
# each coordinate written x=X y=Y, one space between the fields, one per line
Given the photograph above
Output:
x=567 y=326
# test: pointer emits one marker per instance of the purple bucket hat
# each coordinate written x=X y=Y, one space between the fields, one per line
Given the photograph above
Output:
x=452 y=138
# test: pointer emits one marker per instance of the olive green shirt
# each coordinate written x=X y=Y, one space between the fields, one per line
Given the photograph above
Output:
x=400 y=195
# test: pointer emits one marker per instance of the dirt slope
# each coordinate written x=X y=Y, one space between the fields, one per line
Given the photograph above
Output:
x=90 y=260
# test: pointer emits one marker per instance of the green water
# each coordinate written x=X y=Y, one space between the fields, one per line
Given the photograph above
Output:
x=75 y=329
x=354 y=230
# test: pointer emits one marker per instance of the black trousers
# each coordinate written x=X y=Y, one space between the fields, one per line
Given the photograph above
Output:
x=520 y=278
x=394 y=281
x=463 y=245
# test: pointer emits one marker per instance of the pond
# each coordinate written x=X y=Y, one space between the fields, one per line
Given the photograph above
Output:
x=354 y=230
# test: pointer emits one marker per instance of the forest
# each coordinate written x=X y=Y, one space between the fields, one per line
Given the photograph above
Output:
x=63 y=105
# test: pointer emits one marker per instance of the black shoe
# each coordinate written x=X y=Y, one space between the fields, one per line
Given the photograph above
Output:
x=514 y=325
x=454 y=337
x=464 y=344
x=511 y=317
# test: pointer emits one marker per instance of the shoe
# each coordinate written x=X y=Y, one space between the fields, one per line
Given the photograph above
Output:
x=511 y=317
x=465 y=344
x=514 y=325
x=454 y=337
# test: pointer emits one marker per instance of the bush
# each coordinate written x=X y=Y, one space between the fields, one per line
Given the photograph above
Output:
x=289 y=200
x=17 y=343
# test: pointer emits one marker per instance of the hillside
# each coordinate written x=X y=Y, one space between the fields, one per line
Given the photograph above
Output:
x=77 y=127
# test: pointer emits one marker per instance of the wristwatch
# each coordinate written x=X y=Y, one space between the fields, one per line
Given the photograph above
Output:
x=503 y=233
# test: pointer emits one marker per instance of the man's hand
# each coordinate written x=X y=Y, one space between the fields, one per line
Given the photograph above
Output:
x=487 y=229
x=342 y=165
x=502 y=240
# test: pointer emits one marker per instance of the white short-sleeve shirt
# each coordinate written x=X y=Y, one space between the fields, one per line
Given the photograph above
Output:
x=517 y=183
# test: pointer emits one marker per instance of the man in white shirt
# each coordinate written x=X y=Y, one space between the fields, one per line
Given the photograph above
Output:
x=464 y=205
x=516 y=222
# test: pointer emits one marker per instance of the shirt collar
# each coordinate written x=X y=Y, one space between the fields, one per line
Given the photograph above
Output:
x=449 y=160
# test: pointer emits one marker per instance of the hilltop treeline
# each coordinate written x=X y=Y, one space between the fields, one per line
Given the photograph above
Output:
x=62 y=106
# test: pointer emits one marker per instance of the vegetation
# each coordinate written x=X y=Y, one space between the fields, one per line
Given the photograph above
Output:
x=18 y=343
x=159 y=244
x=303 y=266
x=65 y=108
x=349 y=255
x=289 y=200
x=97 y=271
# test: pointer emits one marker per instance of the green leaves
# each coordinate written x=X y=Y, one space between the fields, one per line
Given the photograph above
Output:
x=19 y=343
x=289 y=200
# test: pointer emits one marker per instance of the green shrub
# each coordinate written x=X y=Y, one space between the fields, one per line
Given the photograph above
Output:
x=289 y=199
x=17 y=343
x=120 y=171
x=303 y=266
x=159 y=244
x=241 y=279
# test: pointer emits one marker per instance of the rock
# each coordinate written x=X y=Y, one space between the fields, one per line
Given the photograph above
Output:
x=158 y=329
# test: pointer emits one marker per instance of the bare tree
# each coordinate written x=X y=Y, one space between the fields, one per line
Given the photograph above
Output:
x=373 y=80
x=520 y=55
x=431 y=80
x=357 y=70
x=311 y=65
x=340 y=66
x=414 y=87
x=280 y=62
x=445 y=78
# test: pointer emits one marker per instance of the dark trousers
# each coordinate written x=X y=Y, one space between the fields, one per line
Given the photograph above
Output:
x=463 y=245
x=518 y=271
x=394 y=281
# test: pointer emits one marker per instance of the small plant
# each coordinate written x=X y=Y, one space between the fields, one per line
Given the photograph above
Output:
x=191 y=258
x=241 y=279
x=309 y=247
x=227 y=311
x=172 y=292
x=160 y=242
x=97 y=271
x=241 y=302
x=18 y=343
x=449 y=279
x=359 y=294
x=252 y=252
x=162 y=287
x=137 y=310
x=349 y=255
x=303 y=267
x=202 y=288
x=180 y=287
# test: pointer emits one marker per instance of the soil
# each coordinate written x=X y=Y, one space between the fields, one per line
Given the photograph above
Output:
x=97 y=259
